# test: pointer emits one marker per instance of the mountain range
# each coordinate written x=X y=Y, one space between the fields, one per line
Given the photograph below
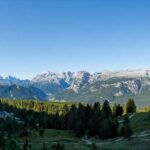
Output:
x=116 y=86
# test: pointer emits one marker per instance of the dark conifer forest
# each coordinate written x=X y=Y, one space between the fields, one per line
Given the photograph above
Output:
x=91 y=120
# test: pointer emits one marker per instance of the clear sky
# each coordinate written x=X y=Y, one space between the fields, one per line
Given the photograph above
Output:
x=72 y=35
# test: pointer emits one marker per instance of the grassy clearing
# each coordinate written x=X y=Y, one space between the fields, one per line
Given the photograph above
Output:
x=134 y=144
x=54 y=136
x=71 y=143
x=139 y=122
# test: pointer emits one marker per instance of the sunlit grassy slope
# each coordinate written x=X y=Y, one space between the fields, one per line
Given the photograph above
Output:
x=140 y=121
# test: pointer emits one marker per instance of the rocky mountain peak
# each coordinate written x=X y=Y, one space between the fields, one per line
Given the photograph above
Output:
x=108 y=84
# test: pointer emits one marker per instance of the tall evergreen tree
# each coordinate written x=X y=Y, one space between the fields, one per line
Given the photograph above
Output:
x=106 y=109
x=130 y=106
x=119 y=110
x=79 y=129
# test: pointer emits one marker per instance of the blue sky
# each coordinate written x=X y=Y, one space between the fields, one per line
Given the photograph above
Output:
x=62 y=35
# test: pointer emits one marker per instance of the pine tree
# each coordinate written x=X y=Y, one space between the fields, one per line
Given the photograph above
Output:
x=130 y=106
x=79 y=129
x=119 y=110
x=106 y=109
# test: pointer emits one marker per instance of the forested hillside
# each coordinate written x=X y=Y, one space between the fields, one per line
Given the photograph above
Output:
x=100 y=121
x=80 y=118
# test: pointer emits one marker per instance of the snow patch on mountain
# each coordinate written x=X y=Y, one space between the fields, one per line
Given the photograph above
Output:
x=118 y=94
x=80 y=79
x=126 y=73
x=53 y=83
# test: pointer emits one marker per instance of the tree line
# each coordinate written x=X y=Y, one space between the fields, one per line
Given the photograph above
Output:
x=91 y=120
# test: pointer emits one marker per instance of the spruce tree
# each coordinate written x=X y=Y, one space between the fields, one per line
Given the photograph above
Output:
x=106 y=109
x=79 y=129
x=130 y=106
x=119 y=110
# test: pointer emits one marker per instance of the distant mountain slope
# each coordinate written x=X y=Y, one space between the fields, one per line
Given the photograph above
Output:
x=117 y=90
x=52 y=83
x=10 y=80
x=82 y=86
x=20 y=92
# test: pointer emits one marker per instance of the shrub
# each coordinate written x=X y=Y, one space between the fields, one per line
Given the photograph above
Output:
x=58 y=146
